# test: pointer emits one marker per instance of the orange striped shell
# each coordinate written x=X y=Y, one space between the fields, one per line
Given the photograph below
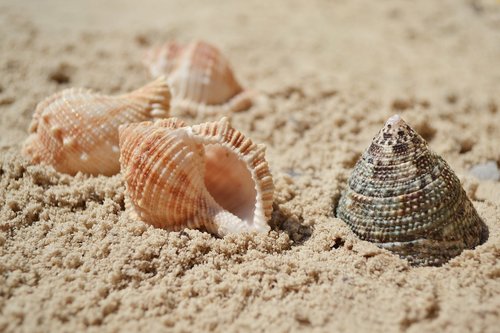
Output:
x=207 y=176
x=77 y=130
x=200 y=77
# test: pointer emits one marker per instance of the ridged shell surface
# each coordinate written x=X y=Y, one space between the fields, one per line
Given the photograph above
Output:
x=162 y=60
x=200 y=77
x=405 y=198
x=77 y=130
x=207 y=176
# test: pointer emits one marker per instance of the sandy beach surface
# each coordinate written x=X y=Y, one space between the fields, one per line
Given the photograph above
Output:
x=330 y=73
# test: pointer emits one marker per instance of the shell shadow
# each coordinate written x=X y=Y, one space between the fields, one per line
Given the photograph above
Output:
x=291 y=224
x=485 y=234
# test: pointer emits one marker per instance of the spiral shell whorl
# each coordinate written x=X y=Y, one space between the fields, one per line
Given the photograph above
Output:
x=405 y=198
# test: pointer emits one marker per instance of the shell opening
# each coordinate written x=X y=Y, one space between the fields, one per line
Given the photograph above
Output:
x=229 y=182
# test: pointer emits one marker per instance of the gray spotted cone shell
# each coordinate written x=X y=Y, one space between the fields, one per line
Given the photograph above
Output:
x=405 y=198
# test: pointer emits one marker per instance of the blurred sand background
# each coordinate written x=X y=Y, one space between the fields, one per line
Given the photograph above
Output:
x=331 y=73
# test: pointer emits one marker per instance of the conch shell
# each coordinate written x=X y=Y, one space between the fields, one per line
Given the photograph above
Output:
x=207 y=176
x=77 y=130
x=405 y=198
x=200 y=77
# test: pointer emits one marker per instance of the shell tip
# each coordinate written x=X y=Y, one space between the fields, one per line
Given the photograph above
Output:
x=224 y=121
x=395 y=119
x=395 y=122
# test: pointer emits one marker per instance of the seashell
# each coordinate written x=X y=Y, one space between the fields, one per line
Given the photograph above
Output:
x=77 y=130
x=200 y=77
x=405 y=198
x=207 y=176
x=162 y=60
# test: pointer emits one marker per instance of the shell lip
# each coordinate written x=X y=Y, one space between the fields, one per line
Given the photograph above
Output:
x=239 y=102
x=251 y=211
x=218 y=155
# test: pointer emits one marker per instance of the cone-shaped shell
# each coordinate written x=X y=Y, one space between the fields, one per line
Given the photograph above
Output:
x=207 y=176
x=405 y=198
x=77 y=130
x=200 y=77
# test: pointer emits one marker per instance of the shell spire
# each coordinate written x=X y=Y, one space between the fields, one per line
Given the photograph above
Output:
x=201 y=78
x=207 y=176
x=76 y=130
x=405 y=198
x=162 y=60
x=155 y=97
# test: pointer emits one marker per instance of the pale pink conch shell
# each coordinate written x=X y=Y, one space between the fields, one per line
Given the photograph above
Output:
x=207 y=176
x=77 y=130
x=200 y=77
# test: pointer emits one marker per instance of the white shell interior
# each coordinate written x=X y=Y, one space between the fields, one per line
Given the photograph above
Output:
x=229 y=181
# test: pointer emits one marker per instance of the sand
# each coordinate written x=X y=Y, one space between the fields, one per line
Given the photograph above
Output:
x=330 y=74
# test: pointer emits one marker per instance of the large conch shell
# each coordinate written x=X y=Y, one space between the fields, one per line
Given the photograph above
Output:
x=77 y=129
x=405 y=198
x=207 y=176
x=200 y=77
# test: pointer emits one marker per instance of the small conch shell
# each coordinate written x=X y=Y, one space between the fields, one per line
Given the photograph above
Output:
x=200 y=77
x=207 y=176
x=405 y=198
x=77 y=130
